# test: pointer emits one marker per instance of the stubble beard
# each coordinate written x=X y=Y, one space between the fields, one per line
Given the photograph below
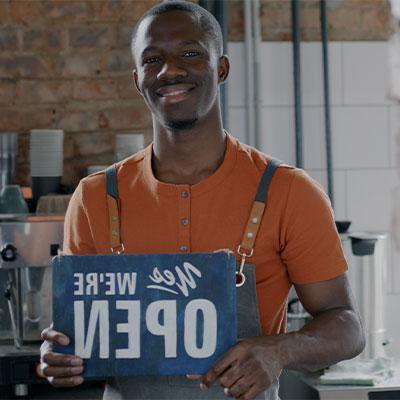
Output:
x=181 y=125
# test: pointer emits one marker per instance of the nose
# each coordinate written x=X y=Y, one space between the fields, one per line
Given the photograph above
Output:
x=170 y=70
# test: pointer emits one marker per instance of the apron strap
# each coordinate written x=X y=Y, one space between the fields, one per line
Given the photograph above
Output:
x=246 y=247
x=113 y=204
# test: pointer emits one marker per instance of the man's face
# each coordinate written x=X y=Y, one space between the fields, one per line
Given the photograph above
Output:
x=177 y=69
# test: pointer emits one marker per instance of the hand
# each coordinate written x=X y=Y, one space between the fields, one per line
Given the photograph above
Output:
x=247 y=369
x=61 y=370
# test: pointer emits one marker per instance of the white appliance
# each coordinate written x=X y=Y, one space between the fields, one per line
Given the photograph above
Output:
x=367 y=257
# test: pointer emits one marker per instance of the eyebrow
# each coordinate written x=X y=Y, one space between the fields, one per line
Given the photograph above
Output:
x=181 y=43
x=186 y=42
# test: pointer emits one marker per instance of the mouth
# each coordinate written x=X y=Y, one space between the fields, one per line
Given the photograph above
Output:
x=175 y=93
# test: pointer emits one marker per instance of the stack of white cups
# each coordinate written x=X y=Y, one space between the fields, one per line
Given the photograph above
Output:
x=46 y=153
x=128 y=144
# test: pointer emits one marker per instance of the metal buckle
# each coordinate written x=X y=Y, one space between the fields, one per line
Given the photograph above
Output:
x=240 y=277
x=118 y=250
x=243 y=254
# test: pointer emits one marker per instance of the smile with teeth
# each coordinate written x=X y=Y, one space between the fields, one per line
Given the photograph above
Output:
x=175 y=93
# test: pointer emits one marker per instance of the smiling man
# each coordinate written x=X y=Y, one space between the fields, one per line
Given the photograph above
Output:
x=194 y=190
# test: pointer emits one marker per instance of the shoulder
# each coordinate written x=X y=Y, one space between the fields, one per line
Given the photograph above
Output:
x=252 y=158
x=94 y=185
x=289 y=183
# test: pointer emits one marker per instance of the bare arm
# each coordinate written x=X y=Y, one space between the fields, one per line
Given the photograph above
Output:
x=334 y=334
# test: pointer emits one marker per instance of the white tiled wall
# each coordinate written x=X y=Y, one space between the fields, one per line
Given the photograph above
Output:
x=365 y=127
x=360 y=137
x=279 y=120
x=365 y=68
x=394 y=123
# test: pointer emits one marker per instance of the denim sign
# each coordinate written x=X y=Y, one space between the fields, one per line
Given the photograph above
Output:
x=147 y=314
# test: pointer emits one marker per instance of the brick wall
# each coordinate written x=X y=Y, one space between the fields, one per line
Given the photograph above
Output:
x=66 y=64
x=348 y=20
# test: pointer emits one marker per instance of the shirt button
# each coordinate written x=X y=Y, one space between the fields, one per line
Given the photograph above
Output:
x=183 y=249
x=184 y=221
x=184 y=194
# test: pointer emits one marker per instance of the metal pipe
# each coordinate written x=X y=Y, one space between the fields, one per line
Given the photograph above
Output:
x=256 y=71
x=327 y=105
x=219 y=8
x=221 y=14
x=250 y=117
x=297 y=82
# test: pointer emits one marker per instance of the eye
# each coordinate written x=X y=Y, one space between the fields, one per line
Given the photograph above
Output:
x=151 y=60
x=191 y=54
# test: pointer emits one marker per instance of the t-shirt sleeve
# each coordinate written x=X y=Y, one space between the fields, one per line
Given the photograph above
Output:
x=312 y=249
x=78 y=237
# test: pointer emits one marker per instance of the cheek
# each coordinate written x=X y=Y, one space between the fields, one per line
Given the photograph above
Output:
x=143 y=85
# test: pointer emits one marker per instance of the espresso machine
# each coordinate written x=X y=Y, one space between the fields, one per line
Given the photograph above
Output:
x=27 y=245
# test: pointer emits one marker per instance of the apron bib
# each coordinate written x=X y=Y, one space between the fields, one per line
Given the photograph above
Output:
x=248 y=319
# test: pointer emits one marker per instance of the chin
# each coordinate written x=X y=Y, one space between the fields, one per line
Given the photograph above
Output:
x=181 y=125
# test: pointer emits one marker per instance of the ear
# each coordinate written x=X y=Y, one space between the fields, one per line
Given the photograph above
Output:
x=223 y=68
x=135 y=79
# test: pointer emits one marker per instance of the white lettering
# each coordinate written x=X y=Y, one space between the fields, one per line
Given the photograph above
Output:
x=78 y=283
x=184 y=280
x=209 y=336
x=168 y=328
x=92 y=284
x=98 y=314
x=187 y=280
x=132 y=328
x=110 y=283
x=126 y=282
x=156 y=277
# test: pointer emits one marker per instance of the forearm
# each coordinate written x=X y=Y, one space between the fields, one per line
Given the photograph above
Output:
x=330 y=337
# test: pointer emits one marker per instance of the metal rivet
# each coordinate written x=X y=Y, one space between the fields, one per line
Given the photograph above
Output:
x=250 y=235
x=184 y=194
x=184 y=221
x=114 y=232
x=183 y=249
x=114 y=218
x=254 y=220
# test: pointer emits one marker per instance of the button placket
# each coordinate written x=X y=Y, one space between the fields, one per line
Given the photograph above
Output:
x=184 y=200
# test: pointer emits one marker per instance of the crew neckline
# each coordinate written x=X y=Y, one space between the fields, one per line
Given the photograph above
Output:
x=169 y=189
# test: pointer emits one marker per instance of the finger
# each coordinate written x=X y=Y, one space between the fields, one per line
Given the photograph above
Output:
x=55 y=336
x=60 y=372
x=66 y=382
x=61 y=360
x=232 y=375
x=252 y=393
x=239 y=388
x=46 y=347
x=229 y=358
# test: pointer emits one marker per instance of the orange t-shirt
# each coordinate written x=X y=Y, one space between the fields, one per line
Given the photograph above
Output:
x=297 y=241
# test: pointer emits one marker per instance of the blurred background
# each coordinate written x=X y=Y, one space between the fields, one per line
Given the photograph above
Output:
x=316 y=84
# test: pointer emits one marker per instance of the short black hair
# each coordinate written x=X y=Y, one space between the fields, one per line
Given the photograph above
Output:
x=206 y=19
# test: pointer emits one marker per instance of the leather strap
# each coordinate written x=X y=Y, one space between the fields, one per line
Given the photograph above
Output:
x=113 y=205
x=246 y=247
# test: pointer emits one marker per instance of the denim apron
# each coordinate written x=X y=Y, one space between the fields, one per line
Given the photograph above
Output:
x=248 y=319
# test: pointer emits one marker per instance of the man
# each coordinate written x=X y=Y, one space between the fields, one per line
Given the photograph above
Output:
x=192 y=191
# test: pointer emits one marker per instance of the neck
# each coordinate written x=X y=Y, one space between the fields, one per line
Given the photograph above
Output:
x=188 y=156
